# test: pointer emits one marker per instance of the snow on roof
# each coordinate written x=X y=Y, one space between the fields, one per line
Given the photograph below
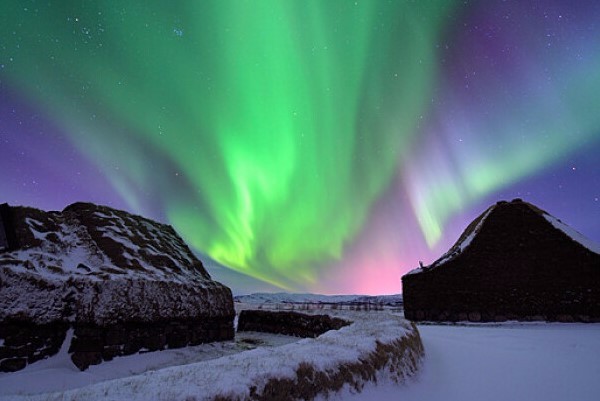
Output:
x=67 y=248
x=471 y=231
x=146 y=270
x=415 y=271
x=573 y=234
x=463 y=242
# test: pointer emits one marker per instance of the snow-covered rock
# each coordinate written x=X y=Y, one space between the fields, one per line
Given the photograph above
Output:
x=122 y=281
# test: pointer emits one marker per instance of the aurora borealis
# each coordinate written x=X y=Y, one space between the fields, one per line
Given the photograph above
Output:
x=323 y=146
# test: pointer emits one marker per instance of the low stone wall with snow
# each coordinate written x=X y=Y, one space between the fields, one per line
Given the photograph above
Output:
x=93 y=344
x=394 y=360
x=288 y=323
x=376 y=347
x=25 y=343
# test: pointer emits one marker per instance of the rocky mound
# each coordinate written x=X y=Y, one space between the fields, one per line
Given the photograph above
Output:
x=123 y=283
x=515 y=261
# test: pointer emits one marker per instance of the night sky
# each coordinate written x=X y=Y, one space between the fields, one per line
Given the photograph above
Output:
x=323 y=146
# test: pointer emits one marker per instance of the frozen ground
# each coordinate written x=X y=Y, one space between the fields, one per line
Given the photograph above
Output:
x=511 y=362
x=58 y=373
x=508 y=362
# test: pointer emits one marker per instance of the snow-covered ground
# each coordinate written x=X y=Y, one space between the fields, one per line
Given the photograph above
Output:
x=510 y=362
x=165 y=376
x=59 y=373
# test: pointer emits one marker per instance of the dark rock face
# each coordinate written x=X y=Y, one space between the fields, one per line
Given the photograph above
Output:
x=93 y=344
x=26 y=343
x=512 y=263
x=123 y=283
x=289 y=323
x=7 y=237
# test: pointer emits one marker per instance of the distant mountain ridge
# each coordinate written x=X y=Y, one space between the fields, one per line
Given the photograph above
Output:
x=282 y=298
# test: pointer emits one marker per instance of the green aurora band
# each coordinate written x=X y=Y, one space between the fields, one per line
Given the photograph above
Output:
x=286 y=119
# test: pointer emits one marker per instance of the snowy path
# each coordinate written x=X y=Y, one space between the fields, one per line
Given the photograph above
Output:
x=550 y=362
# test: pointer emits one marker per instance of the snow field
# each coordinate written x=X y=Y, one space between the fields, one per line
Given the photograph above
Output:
x=508 y=362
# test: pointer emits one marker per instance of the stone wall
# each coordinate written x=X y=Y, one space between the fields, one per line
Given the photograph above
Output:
x=401 y=357
x=24 y=343
x=479 y=296
x=288 y=323
x=7 y=235
x=3 y=239
x=93 y=344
